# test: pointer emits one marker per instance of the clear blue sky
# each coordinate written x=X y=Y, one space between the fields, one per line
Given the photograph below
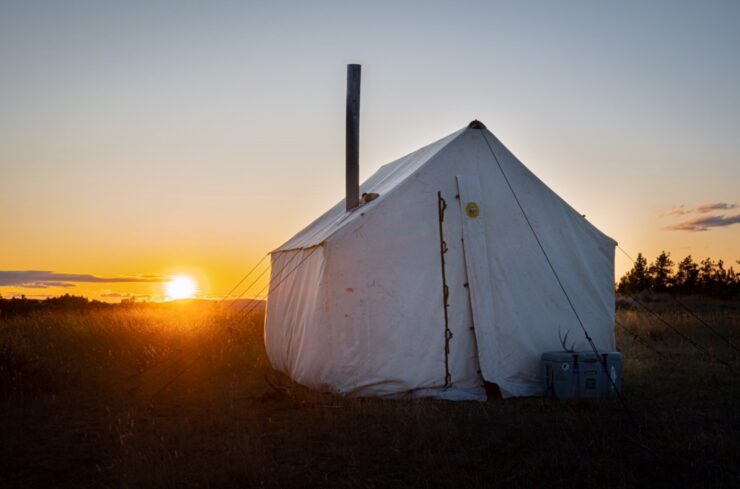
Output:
x=151 y=137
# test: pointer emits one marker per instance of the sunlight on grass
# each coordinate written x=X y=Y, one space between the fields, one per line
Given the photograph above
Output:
x=183 y=395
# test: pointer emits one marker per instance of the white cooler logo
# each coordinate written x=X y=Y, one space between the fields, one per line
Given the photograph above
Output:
x=564 y=366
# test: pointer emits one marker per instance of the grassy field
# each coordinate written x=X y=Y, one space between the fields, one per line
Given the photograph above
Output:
x=82 y=404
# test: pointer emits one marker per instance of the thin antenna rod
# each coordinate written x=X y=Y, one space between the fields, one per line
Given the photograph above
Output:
x=353 y=137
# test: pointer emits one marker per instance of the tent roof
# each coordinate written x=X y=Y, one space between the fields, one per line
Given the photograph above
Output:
x=382 y=182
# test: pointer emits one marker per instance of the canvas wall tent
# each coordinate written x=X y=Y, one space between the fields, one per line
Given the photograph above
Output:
x=356 y=298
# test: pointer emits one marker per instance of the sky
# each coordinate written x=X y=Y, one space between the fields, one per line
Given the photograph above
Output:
x=141 y=140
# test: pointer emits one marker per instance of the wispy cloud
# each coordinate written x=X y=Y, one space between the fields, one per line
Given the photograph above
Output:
x=118 y=295
x=40 y=285
x=717 y=206
x=705 y=223
x=42 y=279
x=676 y=210
x=682 y=210
x=28 y=296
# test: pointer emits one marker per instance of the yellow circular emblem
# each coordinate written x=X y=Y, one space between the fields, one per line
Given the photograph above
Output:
x=472 y=209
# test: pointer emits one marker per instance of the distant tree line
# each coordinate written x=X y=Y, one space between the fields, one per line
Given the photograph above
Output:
x=69 y=303
x=17 y=306
x=707 y=277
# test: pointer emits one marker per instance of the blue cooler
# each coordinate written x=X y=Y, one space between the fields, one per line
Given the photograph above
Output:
x=576 y=375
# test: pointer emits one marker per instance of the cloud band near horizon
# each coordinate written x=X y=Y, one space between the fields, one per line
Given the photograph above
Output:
x=682 y=210
x=705 y=223
x=42 y=279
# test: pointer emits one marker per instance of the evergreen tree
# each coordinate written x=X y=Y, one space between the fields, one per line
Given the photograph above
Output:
x=687 y=275
x=720 y=275
x=660 y=272
x=706 y=275
x=636 y=279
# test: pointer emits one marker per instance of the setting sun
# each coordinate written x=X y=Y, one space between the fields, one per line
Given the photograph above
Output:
x=180 y=287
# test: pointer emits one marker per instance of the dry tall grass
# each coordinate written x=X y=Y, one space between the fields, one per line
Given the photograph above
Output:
x=82 y=405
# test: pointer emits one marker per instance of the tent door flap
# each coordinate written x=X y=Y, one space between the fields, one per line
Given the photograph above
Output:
x=475 y=250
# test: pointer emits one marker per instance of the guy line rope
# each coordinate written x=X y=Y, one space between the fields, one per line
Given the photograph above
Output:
x=562 y=287
x=253 y=306
x=684 y=307
x=219 y=304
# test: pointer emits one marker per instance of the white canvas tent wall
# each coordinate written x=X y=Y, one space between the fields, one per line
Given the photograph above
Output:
x=356 y=299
